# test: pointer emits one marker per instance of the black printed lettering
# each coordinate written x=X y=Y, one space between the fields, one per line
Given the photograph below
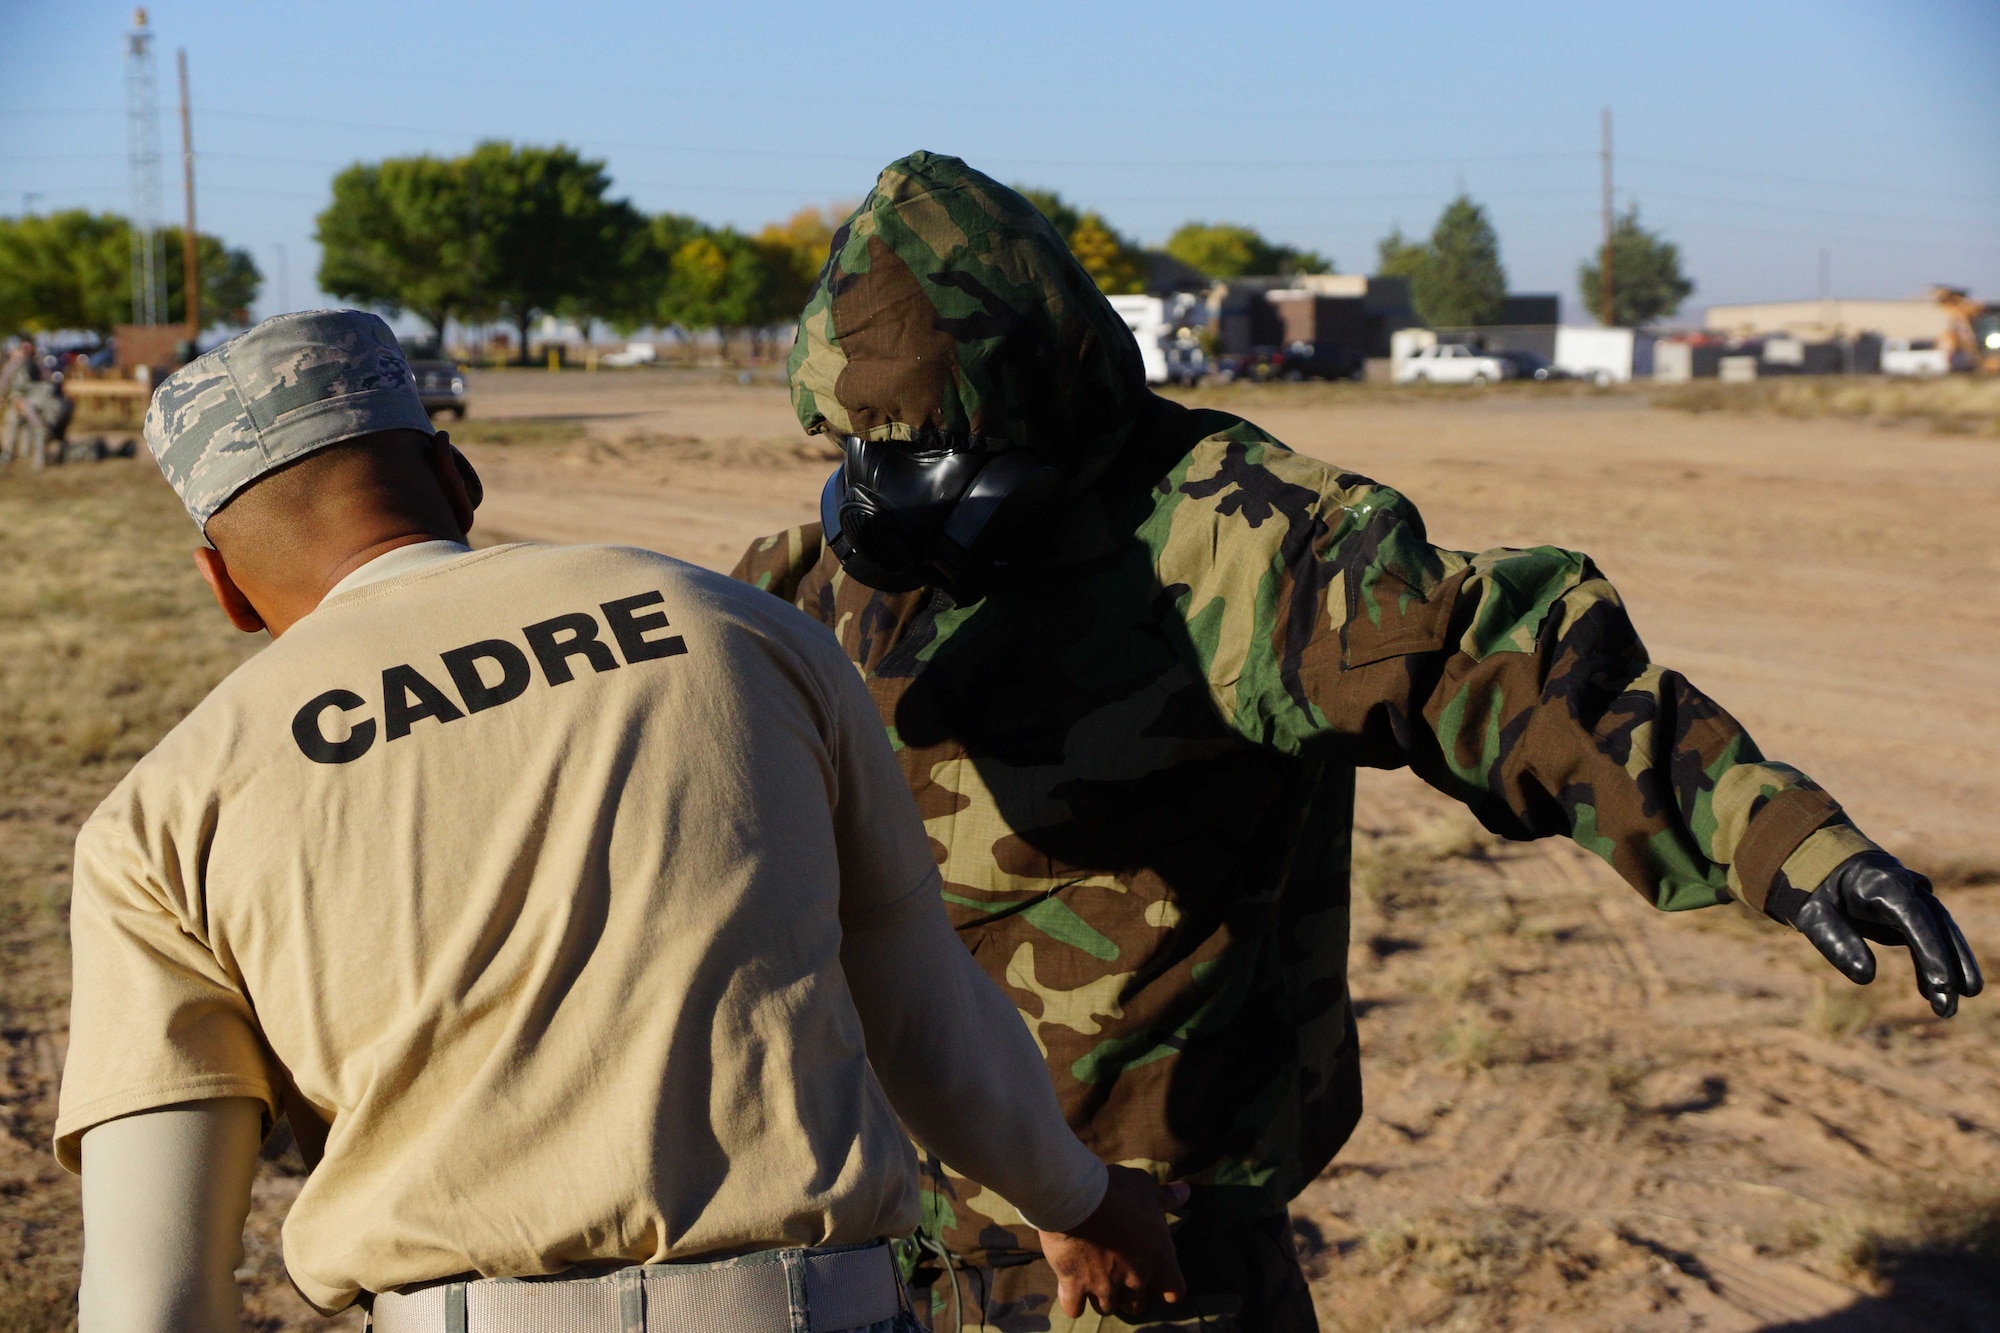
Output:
x=314 y=744
x=579 y=638
x=631 y=630
x=463 y=663
x=407 y=697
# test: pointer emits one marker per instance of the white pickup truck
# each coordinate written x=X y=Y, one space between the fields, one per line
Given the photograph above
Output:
x=1451 y=363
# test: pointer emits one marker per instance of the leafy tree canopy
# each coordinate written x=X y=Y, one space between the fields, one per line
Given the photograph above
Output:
x=1114 y=261
x=798 y=247
x=1397 y=256
x=550 y=242
x=1646 y=278
x=508 y=229
x=1460 y=282
x=401 y=234
x=72 y=270
x=1227 y=250
x=721 y=279
x=1116 y=265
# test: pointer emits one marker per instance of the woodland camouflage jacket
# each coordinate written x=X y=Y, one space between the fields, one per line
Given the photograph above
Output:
x=1137 y=765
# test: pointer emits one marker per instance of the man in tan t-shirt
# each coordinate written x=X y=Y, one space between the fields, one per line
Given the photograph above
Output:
x=566 y=899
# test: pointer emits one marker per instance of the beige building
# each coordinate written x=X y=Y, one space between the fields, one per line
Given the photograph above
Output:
x=1818 y=321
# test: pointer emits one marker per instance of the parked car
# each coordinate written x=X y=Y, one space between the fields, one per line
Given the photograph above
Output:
x=1533 y=366
x=1452 y=363
x=633 y=354
x=1914 y=356
x=441 y=385
x=1299 y=361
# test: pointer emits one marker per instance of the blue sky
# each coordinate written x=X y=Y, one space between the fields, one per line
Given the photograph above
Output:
x=1754 y=134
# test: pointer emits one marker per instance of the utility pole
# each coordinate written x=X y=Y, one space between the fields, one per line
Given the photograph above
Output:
x=1604 y=305
x=284 y=279
x=190 y=254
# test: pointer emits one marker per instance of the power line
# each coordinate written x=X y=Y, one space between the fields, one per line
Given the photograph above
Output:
x=1904 y=242
x=1831 y=211
x=1875 y=187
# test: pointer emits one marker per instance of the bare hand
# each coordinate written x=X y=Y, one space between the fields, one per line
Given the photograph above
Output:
x=1120 y=1257
x=1875 y=897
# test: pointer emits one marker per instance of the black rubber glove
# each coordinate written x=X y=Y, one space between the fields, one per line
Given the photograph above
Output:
x=1874 y=896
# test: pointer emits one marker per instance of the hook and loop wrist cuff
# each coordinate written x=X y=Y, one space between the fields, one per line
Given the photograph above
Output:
x=1776 y=832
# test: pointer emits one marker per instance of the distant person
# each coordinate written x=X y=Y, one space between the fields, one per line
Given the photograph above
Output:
x=567 y=901
x=16 y=372
x=37 y=410
x=1132 y=654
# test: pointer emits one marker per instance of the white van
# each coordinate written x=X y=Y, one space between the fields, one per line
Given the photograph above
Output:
x=1164 y=327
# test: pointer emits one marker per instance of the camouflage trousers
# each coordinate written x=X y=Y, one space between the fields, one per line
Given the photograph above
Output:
x=1243 y=1278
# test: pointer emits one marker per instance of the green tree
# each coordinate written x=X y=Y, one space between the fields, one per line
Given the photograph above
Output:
x=1646 y=278
x=72 y=270
x=548 y=240
x=67 y=270
x=731 y=283
x=1460 y=283
x=1292 y=261
x=797 y=249
x=1117 y=266
x=646 y=268
x=1222 y=250
x=1227 y=250
x=230 y=280
x=1397 y=256
x=402 y=234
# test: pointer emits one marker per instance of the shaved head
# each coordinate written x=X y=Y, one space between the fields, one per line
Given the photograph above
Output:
x=284 y=540
x=284 y=513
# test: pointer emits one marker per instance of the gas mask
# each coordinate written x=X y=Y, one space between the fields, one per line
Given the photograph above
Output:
x=945 y=508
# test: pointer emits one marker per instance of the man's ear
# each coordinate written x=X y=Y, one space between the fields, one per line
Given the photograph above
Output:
x=227 y=595
x=456 y=479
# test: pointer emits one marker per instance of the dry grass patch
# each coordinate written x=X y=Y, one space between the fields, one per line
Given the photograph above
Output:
x=1956 y=404
x=517 y=431
x=1841 y=1009
x=107 y=638
x=1944 y=1223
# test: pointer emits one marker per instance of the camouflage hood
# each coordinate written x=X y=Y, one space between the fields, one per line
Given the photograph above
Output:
x=949 y=303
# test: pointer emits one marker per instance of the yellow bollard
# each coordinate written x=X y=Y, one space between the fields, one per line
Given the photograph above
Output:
x=555 y=358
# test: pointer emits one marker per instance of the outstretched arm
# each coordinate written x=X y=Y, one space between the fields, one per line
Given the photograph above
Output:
x=165 y=1195
x=1512 y=680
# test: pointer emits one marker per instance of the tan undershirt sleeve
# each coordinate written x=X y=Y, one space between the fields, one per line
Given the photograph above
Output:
x=165 y=1195
x=961 y=1069
x=949 y=1048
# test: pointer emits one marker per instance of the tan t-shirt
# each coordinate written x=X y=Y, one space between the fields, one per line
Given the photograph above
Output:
x=527 y=871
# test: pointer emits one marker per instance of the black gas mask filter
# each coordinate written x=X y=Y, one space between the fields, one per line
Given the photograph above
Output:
x=945 y=508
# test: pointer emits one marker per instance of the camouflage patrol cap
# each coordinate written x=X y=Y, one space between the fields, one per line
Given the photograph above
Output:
x=292 y=386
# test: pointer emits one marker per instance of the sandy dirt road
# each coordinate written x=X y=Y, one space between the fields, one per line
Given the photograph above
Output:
x=1582 y=1114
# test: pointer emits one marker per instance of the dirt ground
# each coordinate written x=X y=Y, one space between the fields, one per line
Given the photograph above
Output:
x=1582 y=1114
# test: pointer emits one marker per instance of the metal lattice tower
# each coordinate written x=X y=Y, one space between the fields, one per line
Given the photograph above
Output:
x=142 y=146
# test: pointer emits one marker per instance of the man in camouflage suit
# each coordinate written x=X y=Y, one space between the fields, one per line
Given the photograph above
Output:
x=1135 y=748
